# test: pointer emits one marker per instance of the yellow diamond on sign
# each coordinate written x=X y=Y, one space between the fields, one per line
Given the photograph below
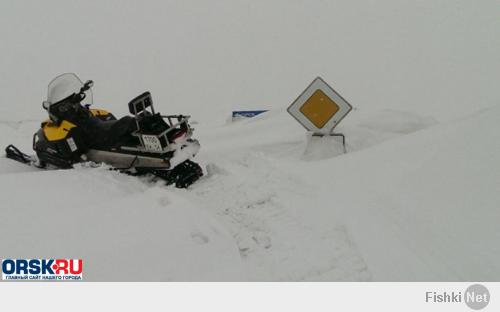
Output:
x=319 y=108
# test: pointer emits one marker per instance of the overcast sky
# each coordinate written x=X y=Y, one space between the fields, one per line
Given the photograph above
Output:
x=201 y=57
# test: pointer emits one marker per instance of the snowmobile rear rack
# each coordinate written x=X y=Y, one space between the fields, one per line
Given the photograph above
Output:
x=152 y=142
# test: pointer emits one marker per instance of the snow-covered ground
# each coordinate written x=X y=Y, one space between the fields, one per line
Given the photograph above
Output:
x=411 y=200
x=416 y=197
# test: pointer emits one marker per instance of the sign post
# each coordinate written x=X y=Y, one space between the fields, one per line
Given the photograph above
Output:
x=319 y=108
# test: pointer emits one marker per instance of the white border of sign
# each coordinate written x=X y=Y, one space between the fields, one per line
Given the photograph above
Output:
x=319 y=83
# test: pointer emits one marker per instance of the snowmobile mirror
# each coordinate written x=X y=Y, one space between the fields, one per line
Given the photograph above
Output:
x=88 y=84
x=45 y=105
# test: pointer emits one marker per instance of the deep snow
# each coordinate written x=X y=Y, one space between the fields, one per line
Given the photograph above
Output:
x=402 y=204
x=415 y=198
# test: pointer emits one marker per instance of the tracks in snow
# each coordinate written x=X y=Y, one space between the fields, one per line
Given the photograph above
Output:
x=263 y=207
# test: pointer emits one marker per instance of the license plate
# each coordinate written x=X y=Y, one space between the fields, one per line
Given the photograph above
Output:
x=152 y=143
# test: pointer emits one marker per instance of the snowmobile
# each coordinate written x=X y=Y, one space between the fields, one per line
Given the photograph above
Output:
x=145 y=143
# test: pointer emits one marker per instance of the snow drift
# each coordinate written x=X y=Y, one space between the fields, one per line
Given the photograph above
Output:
x=416 y=202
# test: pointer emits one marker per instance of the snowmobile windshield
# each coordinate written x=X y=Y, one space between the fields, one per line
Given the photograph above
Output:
x=64 y=86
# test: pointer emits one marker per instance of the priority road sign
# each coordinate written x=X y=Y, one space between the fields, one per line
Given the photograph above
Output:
x=319 y=108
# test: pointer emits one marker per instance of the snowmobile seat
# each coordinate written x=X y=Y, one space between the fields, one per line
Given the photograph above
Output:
x=121 y=127
x=108 y=132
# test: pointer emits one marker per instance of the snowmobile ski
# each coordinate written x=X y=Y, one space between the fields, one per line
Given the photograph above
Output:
x=14 y=153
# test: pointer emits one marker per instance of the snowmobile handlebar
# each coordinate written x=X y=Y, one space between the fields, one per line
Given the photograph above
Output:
x=176 y=116
x=86 y=86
